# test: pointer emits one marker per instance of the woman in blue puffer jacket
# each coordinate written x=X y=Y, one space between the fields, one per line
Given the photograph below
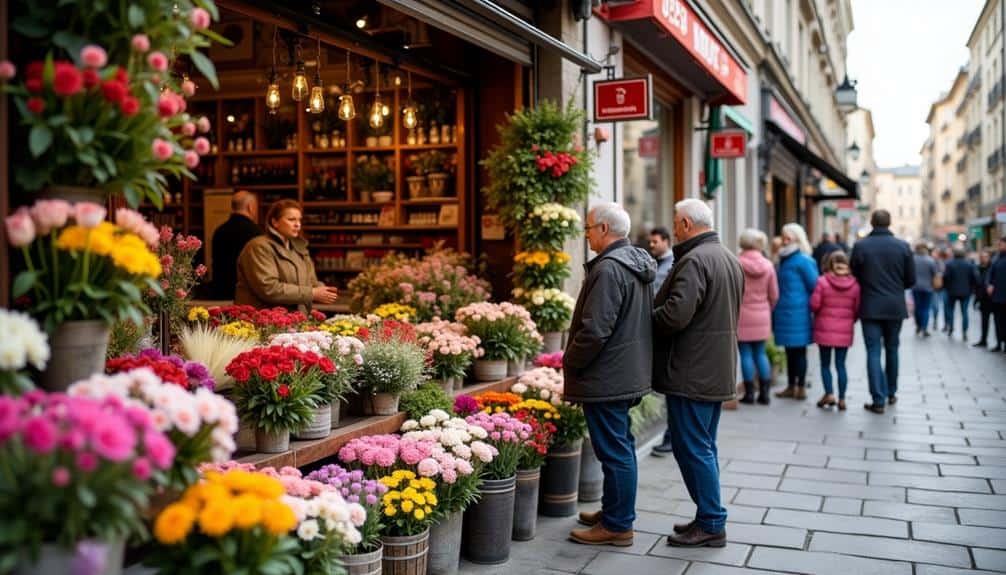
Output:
x=792 y=325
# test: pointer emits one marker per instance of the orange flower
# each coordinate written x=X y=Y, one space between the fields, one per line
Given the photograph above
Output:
x=497 y=401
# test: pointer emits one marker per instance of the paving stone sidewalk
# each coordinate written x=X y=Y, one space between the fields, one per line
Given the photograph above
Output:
x=919 y=490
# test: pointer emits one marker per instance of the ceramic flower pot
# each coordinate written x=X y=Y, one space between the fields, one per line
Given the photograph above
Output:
x=77 y=351
x=407 y=555
x=490 y=369
x=319 y=426
x=364 y=563
x=417 y=185
x=380 y=404
x=277 y=442
x=438 y=184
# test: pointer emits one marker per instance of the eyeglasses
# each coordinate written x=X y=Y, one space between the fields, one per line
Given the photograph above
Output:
x=589 y=227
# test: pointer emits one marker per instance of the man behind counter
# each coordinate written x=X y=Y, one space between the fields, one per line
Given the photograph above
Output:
x=230 y=238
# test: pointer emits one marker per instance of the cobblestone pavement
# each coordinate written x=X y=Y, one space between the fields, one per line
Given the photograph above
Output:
x=920 y=489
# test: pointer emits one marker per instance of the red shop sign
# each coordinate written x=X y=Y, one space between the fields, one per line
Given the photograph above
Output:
x=649 y=146
x=728 y=144
x=623 y=99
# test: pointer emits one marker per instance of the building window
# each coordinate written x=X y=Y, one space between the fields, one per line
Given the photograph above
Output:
x=901 y=211
x=647 y=173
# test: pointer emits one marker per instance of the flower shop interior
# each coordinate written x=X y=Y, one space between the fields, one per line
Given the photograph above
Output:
x=148 y=428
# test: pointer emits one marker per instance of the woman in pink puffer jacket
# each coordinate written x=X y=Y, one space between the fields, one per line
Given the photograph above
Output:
x=754 y=325
x=835 y=303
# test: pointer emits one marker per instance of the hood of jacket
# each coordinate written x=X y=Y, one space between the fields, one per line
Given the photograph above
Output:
x=754 y=264
x=840 y=282
x=638 y=261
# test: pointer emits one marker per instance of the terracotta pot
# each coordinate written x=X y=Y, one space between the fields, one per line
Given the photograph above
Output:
x=77 y=351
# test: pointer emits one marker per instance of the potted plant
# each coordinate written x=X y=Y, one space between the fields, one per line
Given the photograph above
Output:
x=347 y=355
x=371 y=174
x=332 y=390
x=276 y=390
x=433 y=165
x=176 y=254
x=501 y=335
x=408 y=506
x=77 y=474
x=547 y=226
x=102 y=113
x=540 y=269
x=365 y=555
x=26 y=345
x=551 y=309
x=427 y=397
x=416 y=181
x=542 y=416
x=451 y=351
x=81 y=277
x=392 y=363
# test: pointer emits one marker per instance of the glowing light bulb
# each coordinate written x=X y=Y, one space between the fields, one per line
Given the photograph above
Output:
x=346 y=109
x=317 y=100
x=376 y=115
x=301 y=87
x=409 y=118
x=385 y=110
x=272 y=95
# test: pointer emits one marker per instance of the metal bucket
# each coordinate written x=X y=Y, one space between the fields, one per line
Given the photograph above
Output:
x=525 y=508
x=319 y=426
x=560 y=480
x=591 y=475
x=489 y=523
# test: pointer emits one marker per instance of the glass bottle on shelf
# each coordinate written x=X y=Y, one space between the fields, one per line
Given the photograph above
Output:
x=434 y=134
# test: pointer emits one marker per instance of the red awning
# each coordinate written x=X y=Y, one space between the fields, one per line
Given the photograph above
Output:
x=673 y=34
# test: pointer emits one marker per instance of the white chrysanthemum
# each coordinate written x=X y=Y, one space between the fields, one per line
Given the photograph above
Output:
x=409 y=425
x=440 y=414
x=427 y=421
x=308 y=530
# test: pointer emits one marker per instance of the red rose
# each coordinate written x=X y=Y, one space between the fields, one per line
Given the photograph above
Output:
x=91 y=78
x=36 y=105
x=268 y=372
x=241 y=374
x=283 y=390
x=67 y=79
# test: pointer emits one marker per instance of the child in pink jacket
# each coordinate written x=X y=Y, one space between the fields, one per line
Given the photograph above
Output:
x=835 y=303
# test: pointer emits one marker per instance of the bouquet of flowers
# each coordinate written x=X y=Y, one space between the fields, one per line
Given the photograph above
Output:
x=176 y=253
x=451 y=351
x=502 y=335
x=379 y=455
x=188 y=375
x=546 y=384
x=75 y=469
x=318 y=342
x=540 y=269
x=356 y=489
x=550 y=308
x=465 y=405
x=496 y=402
x=392 y=360
x=278 y=387
x=214 y=349
x=91 y=269
x=337 y=384
x=23 y=343
x=236 y=521
x=542 y=416
x=397 y=311
x=435 y=285
x=508 y=435
x=547 y=226
x=200 y=424
x=327 y=528
x=265 y=321
x=409 y=504
x=346 y=325
x=103 y=109
x=553 y=360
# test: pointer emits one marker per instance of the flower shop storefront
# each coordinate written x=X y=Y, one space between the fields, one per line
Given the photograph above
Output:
x=428 y=425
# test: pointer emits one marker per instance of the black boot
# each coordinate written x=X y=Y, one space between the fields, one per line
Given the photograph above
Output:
x=763 y=391
x=749 y=396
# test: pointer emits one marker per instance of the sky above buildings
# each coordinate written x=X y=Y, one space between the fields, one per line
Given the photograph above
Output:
x=905 y=53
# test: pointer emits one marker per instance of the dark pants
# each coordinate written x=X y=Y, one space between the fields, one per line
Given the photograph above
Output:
x=1000 y=312
x=923 y=304
x=796 y=366
x=952 y=303
x=694 y=442
x=936 y=300
x=985 y=309
x=615 y=447
x=843 y=377
x=882 y=335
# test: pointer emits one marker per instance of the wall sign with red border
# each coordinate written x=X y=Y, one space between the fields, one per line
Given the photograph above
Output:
x=728 y=144
x=623 y=99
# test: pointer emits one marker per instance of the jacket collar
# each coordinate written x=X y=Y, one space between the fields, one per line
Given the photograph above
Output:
x=619 y=243
x=686 y=246
x=881 y=232
x=298 y=245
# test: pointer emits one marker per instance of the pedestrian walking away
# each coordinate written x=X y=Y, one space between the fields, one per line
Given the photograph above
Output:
x=754 y=325
x=835 y=303
x=959 y=281
x=695 y=361
x=791 y=319
x=884 y=267
x=926 y=272
x=825 y=247
x=982 y=299
x=607 y=362
x=938 y=295
x=995 y=287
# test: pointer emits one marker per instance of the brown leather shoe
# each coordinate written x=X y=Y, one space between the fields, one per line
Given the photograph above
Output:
x=788 y=392
x=589 y=518
x=600 y=535
x=800 y=393
x=696 y=537
x=682 y=527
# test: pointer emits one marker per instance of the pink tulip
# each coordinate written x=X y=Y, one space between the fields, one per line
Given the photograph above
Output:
x=158 y=61
x=88 y=214
x=191 y=159
x=20 y=228
x=200 y=19
x=7 y=70
x=188 y=88
x=189 y=129
x=203 y=124
x=162 y=149
x=141 y=43
x=201 y=146
x=93 y=56
x=50 y=214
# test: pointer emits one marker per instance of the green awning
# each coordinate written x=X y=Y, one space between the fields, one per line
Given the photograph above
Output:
x=737 y=118
x=713 y=166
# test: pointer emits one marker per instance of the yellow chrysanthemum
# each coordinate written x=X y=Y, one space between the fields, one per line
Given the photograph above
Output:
x=198 y=313
x=217 y=518
x=277 y=517
x=174 y=524
x=428 y=483
x=247 y=511
x=240 y=329
x=431 y=499
x=390 y=511
x=419 y=514
x=407 y=506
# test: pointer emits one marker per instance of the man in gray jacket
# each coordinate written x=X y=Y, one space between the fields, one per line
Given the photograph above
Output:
x=695 y=361
x=607 y=365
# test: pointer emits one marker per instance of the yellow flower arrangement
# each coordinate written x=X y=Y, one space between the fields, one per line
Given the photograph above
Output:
x=409 y=504
x=542 y=410
x=540 y=269
x=397 y=311
x=198 y=313
x=126 y=250
x=240 y=329
x=344 y=327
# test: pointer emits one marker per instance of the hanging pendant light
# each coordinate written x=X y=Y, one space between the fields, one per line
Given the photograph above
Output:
x=317 y=100
x=346 y=109
x=376 y=115
x=301 y=88
x=272 y=95
x=409 y=118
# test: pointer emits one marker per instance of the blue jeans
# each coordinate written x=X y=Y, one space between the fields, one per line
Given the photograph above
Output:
x=936 y=300
x=752 y=355
x=694 y=442
x=923 y=303
x=615 y=447
x=883 y=381
x=843 y=377
x=951 y=304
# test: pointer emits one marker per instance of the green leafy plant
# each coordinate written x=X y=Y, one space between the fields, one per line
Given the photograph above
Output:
x=392 y=360
x=372 y=173
x=424 y=399
x=430 y=162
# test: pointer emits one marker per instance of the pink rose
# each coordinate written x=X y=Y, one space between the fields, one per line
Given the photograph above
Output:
x=201 y=146
x=60 y=477
x=158 y=61
x=7 y=70
x=88 y=214
x=167 y=105
x=20 y=228
x=191 y=159
x=50 y=214
x=199 y=18
x=188 y=88
x=93 y=56
x=203 y=123
x=40 y=435
x=113 y=439
x=189 y=129
x=141 y=43
x=162 y=149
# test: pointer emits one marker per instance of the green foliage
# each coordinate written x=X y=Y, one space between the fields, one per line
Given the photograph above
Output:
x=424 y=399
x=391 y=366
x=430 y=162
x=650 y=409
x=776 y=355
x=572 y=424
x=372 y=173
x=126 y=338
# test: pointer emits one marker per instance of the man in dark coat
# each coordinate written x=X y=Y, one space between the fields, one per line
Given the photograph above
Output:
x=695 y=361
x=959 y=281
x=607 y=365
x=885 y=268
x=228 y=241
x=824 y=248
x=995 y=287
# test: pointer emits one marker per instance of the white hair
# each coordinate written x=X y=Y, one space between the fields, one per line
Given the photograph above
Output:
x=615 y=216
x=696 y=210
x=797 y=234
x=753 y=239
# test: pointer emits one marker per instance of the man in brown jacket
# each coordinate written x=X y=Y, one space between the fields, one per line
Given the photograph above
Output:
x=695 y=361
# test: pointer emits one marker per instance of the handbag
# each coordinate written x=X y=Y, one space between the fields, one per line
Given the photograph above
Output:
x=938 y=282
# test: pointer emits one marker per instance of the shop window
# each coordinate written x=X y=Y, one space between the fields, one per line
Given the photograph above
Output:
x=647 y=193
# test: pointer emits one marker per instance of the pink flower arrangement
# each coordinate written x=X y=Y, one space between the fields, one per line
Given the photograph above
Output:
x=543 y=383
x=507 y=435
x=553 y=360
x=505 y=330
x=449 y=347
x=378 y=455
x=465 y=405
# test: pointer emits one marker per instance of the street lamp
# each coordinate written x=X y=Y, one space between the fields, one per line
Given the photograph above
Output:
x=845 y=95
x=854 y=151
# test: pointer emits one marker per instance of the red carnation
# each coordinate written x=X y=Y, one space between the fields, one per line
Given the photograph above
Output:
x=114 y=91
x=241 y=374
x=268 y=372
x=34 y=70
x=36 y=105
x=326 y=365
x=67 y=79
x=283 y=390
x=91 y=78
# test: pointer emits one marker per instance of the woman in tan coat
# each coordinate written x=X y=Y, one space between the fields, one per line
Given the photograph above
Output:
x=275 y=269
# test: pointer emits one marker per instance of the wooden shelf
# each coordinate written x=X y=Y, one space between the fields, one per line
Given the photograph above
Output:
x=369 y=246
x=326 y=151
x=265 y=187
x=376 y=228
x=373 y=149
x=345 y=204
x=430 y=201
x=429 y=146
x=259 y=154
